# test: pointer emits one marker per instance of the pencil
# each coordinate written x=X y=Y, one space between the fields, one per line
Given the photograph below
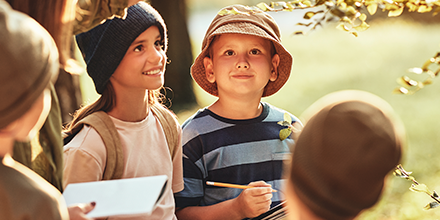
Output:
x=229 y=185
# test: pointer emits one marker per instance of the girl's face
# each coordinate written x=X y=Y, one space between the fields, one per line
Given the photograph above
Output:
x=143 y=66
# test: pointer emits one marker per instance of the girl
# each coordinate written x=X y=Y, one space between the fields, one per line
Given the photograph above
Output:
x=126 y=60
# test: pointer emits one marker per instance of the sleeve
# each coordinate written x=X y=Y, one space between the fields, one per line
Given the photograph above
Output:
x=90 y=13
x=193 y=177
x=178 y=166
x=84 y=157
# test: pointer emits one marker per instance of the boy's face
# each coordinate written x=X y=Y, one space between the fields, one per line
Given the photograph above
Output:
x=143 y=66
x=241 y=64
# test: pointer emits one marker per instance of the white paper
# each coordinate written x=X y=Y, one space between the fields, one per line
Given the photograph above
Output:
x=118 y=197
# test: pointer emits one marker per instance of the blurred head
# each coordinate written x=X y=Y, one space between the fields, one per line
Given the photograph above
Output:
x=251 y=22
x=28 y=63
x=343 y=154
x=105 y=46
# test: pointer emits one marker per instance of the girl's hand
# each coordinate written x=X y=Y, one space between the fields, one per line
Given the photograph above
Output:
x=79 y=211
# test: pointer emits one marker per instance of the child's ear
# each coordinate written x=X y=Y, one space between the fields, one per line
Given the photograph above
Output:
x=274 y=71
x=207 y=62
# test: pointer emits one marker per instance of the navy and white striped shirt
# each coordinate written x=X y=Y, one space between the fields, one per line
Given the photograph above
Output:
x=231 y=151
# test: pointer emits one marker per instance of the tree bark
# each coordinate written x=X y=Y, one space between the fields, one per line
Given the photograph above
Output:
x=177 y=76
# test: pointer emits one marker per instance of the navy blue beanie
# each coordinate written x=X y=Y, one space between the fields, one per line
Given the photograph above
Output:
x=104 y=46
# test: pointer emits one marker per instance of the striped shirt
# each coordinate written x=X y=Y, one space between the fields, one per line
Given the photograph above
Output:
x=231 y=151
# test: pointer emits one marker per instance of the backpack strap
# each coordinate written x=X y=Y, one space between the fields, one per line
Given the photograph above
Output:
x=169 y=124
x=105 y=127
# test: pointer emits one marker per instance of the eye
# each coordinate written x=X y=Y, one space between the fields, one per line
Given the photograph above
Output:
x=255 y=51
x=229 y=53
x=138 y=48
x=159 y=44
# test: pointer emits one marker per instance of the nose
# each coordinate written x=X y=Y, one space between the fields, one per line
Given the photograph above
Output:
x=155 y=56
x=242 y=62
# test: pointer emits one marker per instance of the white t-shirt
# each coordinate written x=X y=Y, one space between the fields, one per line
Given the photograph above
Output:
x=146 y=153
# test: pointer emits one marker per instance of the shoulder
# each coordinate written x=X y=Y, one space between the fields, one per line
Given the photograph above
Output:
x=87 y=141
x=277 y=114
x=20 y=185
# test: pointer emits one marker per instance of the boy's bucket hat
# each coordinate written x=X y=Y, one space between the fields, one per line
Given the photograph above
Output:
x=28 y=63
x=247 y=21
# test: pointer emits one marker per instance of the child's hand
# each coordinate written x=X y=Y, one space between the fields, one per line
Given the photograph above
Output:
x=79 y=211
x=254 y=201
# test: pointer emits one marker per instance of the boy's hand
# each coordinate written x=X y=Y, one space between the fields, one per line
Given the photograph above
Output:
x=254 y=201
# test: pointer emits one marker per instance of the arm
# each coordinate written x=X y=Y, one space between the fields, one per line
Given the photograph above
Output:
x=250 y=203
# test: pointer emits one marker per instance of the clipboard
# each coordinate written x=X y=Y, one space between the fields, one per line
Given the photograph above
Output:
x=120 y=197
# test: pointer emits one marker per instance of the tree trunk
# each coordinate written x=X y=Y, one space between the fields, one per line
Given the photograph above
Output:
x=177 y=76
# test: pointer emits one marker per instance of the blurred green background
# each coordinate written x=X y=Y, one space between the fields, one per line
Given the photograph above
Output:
x=328 y=60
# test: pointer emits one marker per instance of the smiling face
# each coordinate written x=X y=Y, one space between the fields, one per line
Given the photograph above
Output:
x=143 y=65
x=241 y=64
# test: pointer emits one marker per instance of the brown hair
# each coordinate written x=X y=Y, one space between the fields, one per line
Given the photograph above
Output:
x=105 y=103
x=56 y=16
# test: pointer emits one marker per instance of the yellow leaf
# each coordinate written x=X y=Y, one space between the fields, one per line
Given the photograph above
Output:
x=284 y=133
x=395 y=13
x=372 y=8
x=287 y=118
x=263 y=6
x=363 y=17
x=362 y=27
x=424 y=8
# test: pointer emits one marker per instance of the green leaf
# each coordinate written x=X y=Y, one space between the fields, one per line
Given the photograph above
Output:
x=284 y=133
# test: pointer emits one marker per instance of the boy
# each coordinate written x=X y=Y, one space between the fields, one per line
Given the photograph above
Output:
x=357 y=134
x=236 y=139
x=28 y=62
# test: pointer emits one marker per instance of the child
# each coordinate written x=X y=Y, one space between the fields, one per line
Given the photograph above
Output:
x=342 y=157
x=28 y=63
x=126 y=60
x=236 y=139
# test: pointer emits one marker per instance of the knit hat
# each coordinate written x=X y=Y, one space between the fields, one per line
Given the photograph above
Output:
x=28 y=62
x=104 y=46
x=344 y=153
x=248 y=21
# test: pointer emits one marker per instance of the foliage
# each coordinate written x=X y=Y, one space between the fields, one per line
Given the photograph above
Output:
x=285 y=132
x=410 y=86
x=352 y=16
x=418 y=187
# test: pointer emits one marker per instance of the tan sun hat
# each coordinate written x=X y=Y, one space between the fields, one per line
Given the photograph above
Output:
x=246 y=21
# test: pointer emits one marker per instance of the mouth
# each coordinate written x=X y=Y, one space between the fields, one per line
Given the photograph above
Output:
x=152 y=72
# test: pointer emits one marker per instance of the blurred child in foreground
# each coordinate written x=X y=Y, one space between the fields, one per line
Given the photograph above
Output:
x=28 y=63
x=342 y=157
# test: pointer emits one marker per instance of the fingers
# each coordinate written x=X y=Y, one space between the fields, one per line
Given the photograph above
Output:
x=259 y=184
x=88 y=207
x=79 y=211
